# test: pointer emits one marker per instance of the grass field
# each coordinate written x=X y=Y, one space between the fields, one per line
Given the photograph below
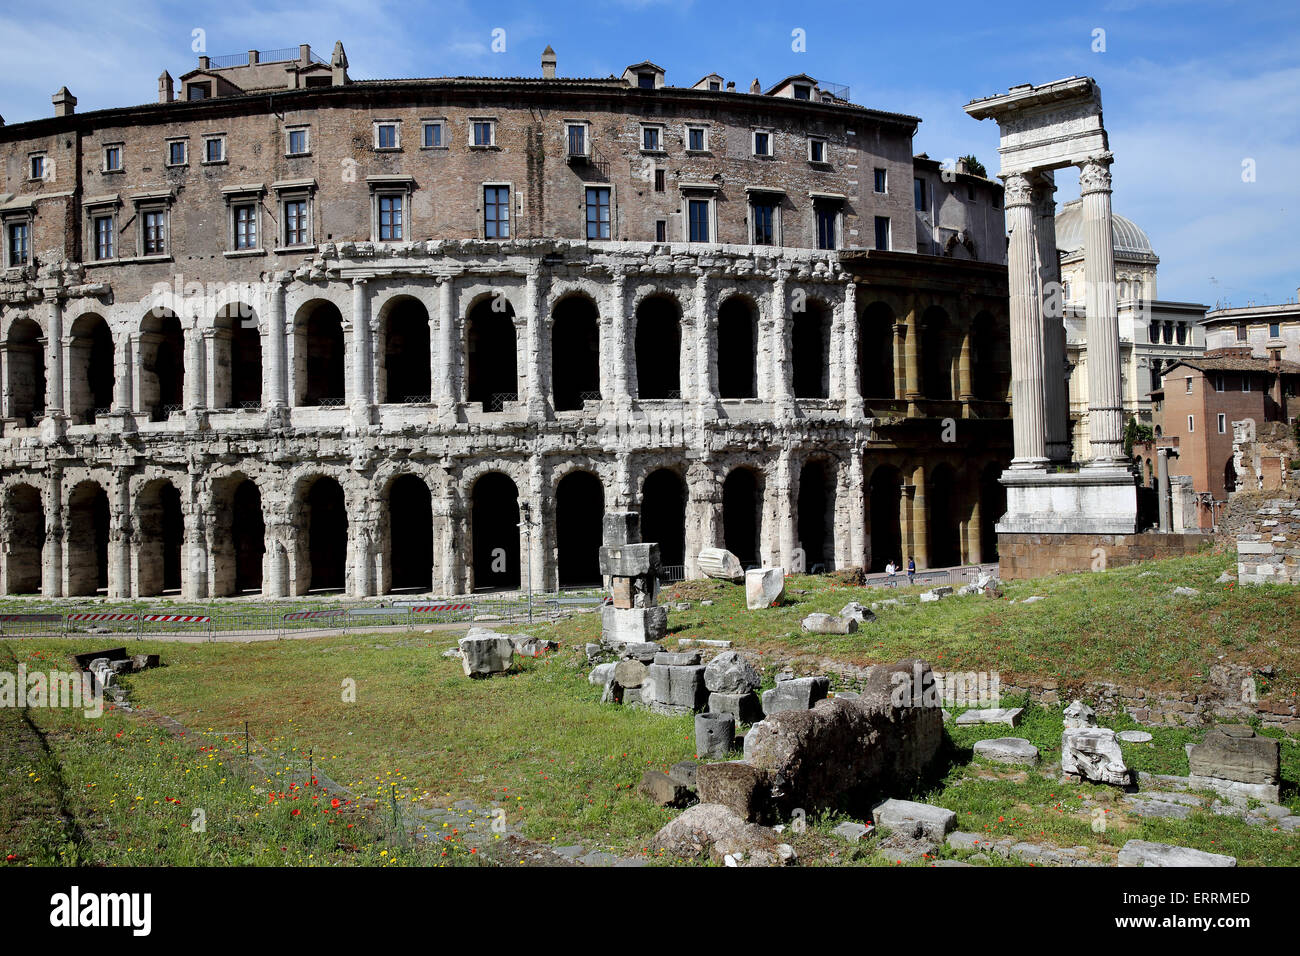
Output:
x=563 y=766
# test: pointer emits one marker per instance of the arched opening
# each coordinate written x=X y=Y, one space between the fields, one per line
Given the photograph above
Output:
x=663 y=515
x=24 y=518
x=239 y=544
x=237 y=378
x=945 y=534
x=886 y=491
x=319 y=354
x=988 y=378
x=494 y=532
x=410 y=534
x=737 y=349
x=810 y=338
x=579 y=510
x=90 y=367
x=658 y=349
x=87 y=538
x=26 y=366
x=876 y=351
x=575 y=353
x=406 y=371
x=936 y=355
x=161 y=529
x=993 y=505
x=162 y=365
x=817 y=516
x=326 y=519
x=492 y=372
x=742 y=515
x=1229 y=476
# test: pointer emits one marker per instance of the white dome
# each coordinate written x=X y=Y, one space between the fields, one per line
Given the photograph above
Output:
x=1130 y=241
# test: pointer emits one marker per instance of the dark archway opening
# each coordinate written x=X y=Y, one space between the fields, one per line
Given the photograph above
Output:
x=936 y=355
x=323 y=355
x=579 y=510
x=162 y=366
x=663 y=515
x=993 y=505
x=87 y=553
x=945 y=532
x=91 y=369
x=172 y=537
x=25 y=524
x=327 y=535
x=737 y=349
x=658 y=349
x=407 y=375
x=886 y=489
x=26 y=372
x=876 y=351
x=410 y=534
x=816 y=517
x=810 y=338
x=494 y=530
x=742 y=515
x=161 y=528
x=248 y=537
x=575 y=354
x=492 y=372
x=239 y=358
x=986 y=374
x=1229 y=476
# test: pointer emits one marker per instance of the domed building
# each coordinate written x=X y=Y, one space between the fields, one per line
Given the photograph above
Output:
x=1153 y=333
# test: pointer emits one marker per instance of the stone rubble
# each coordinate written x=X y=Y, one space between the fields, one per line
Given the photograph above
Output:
x=764 y=587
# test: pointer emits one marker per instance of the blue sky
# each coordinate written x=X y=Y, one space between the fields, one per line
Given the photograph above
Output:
x=1190 y=90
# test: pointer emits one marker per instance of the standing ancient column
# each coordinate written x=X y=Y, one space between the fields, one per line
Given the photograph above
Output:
x=900 y=359
x=858 y=511
x=965 y=384
x=912 y=388
x=1028 y=435
x=360 y=353
x=446 y=377
x=785 y=508
x=616 y=351
x=274 y=347
x=538 y=400
x=1105 y=404
x=706 y=358
x=195 y=366
x=54 y=406
x=853 y=405
x=782 y=387
x=52 y=554
x=920 y=544
x=1056 y=406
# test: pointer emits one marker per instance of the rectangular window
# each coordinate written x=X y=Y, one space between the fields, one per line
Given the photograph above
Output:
x=215 y=150
x=698 y=214
x=496 y=212
x=881 y=179
x=113 y=159
x=105 y=234
x=390 y=218
x=645 y=81
x=1189 y=385
x=1241 y=331
x=1218 y=382
x=246 y=226
x=176 y=153
x=1274 y=330
x=1245 y=382
x=37 y=169
x=659 y=180
x=1191 y=424
x=295 y=223
x=826 y=217
x=19 y=243
x=154 y=223
x=802 y=91
x=764 y=213
x=432 y=135
x=816 y=150
x=661 y=230
x=297 y=142
x=919 y=196
x=484 y=133
x=882 y=232
x=695 y=139
x=597 y=213
x=651 y=139
x=762 y=144
x=197 y=91
x=386 y=136
x=1223 y=424
x=577 y=139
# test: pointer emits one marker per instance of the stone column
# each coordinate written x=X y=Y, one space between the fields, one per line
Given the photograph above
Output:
x=446 y=376
x=900 y=360
x=1162 y=484
x=853 y=405
x=275 y=386
x=912 y=390
x=364 y=535
x=536 y=543
x=782 y=386
x=965 y=389
x=54 y=403
x=1056 y=403
x=275 y=562
x=706 y=365
x=920 y=521
x=974 y=537
x=360 y=398
x=1028 y=434
x=195 y=366
x=120 y=584
x=1105 y=404
x=539 y=403
x=127 y=354
x=6 y=397
x=617 y=351
x=857 y=511
x=52 y=553
x=785 y=509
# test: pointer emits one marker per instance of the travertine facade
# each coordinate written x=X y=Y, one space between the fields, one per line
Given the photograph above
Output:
x=345 y=359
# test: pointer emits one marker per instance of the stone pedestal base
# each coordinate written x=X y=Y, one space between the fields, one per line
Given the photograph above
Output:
x=1035 y=555
x=1090 y=501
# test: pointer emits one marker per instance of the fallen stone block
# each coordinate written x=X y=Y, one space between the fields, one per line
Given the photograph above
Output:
x=1158 y=808
x=1144 y=853
x=618 y=528
x=746 y=708
x=1079 y=714
x=630 y=673
x=645 y=652
x=684 y=772
x=664 y=791
x=797 y=694
x=714 y=735
x=854 y=611
x=917 y=820
x=730 y=673
x=678 y=687
x=991 y=715
x=636 y=625
x=734 y=784
x=722 y=834
x=629 y=560
x=850 y=831
x=1232 y=759
x=1092 y=753
x=1185 y=592
x=600 y=675
x=678 y=659
x=485 y=654
x=720 y=563
x=829 y=624
x=1012 y=750
x=1034 y=599
x=1134 y=736
x=764 y=587
x=533 y=647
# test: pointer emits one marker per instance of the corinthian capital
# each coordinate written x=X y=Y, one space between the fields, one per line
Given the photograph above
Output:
x=1019 y=191
x=1094 y=175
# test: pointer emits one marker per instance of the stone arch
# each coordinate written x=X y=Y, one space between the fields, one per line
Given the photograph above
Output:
x=87 y=536
x=737 y=351
x=320 y=510
x=815 y=515
x=405 y=374
x=990 y=367
x=936 y=354
x=663 y=514
x=575 y=352
x=943 y=501
x=24 y=535
x=579 y=511
x=494 y=532
x=90 y=368
x=876 y=350
x=885 y=513
x=810 y=340
x=658 y=347
x=237 y=366
x=26 y=371
x=319 y=354
x=1230 y=475
x=238 y=536
x=743 y=494
x=993 y=505
x=160 y=533
x=161 y=364
x=408 y=533
x=491 y=352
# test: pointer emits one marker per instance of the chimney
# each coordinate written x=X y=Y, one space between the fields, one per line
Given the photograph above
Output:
x=731 y=86
x=65 y=104
x=166 y=89
x=205 y=63
x=754 y=87
x=548 y=63
x=304 y=53
x=339 y=64
x=254 y=58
